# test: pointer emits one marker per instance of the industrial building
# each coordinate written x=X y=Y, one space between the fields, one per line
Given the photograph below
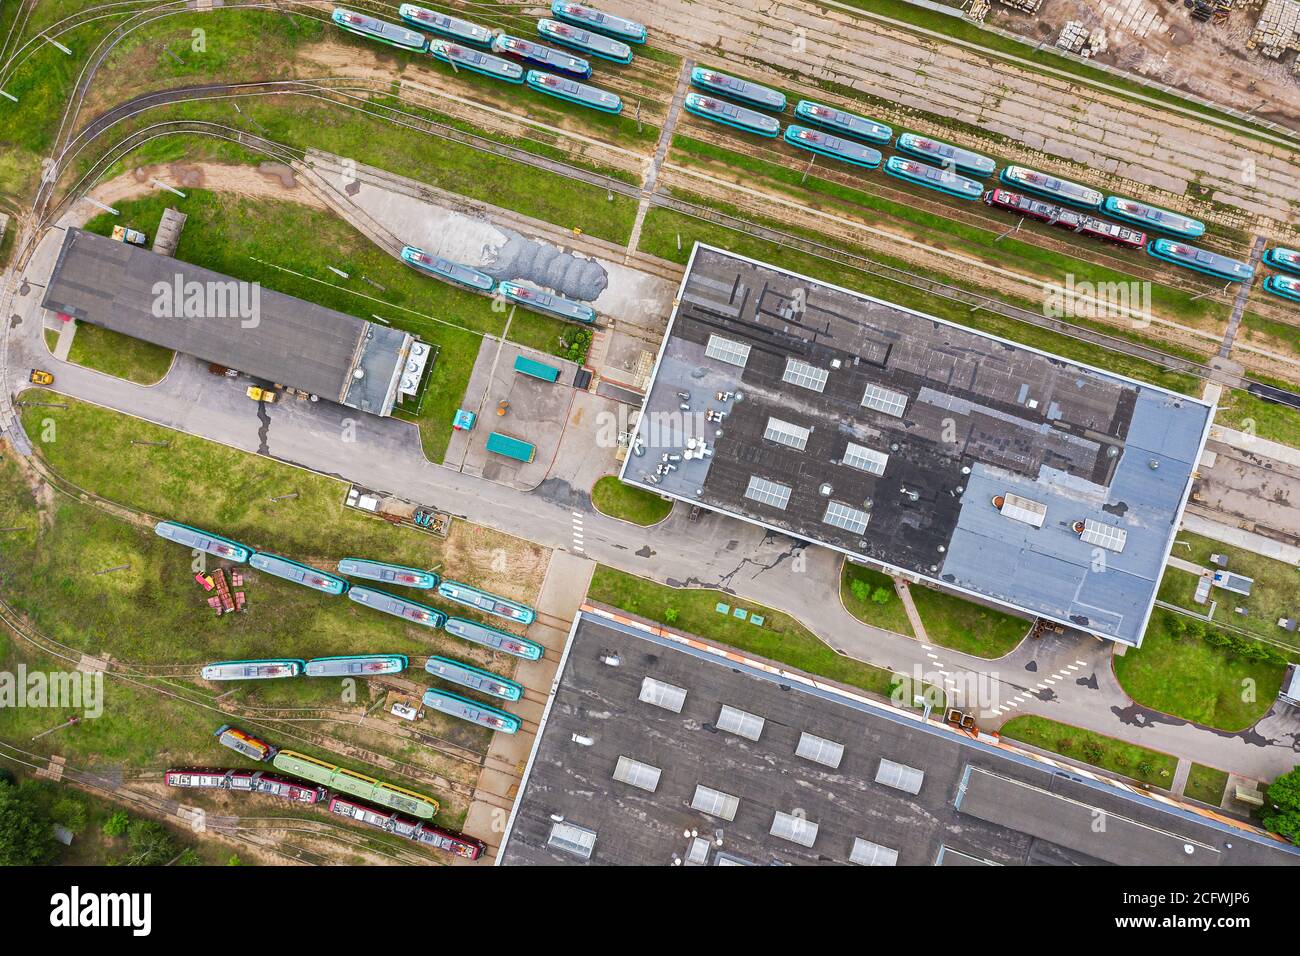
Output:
x=921 y=447
x=265 y=334
x=658 y=749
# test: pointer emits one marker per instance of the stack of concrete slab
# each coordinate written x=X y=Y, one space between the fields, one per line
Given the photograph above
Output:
x=1277 y=29
x=1028 y=6
x=1073 y=36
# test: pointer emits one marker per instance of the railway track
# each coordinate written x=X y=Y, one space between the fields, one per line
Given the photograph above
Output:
x=144 y=675
x=705 y=213
x=572 y=172
x=142 y=802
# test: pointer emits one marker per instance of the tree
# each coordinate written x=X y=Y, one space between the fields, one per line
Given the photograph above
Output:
x=880 y=596
x=670 y=615
x=234 y=860
x=26 y=832
x=70 y=812
x=1281 y=812
x=150 y=844
x=860 y=590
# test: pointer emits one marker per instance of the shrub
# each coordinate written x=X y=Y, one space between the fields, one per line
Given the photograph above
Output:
x=116 y=825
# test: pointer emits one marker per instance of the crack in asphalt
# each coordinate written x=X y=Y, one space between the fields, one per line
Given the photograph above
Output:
x=264 y=430
x=724 y=582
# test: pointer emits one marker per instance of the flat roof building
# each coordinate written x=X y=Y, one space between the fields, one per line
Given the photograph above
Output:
x=923 y=447
x=819 y=775
x=265 y=334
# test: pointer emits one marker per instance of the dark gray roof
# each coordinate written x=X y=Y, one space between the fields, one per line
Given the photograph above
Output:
x=290 y=341
x=976 y=803
x=961 y=416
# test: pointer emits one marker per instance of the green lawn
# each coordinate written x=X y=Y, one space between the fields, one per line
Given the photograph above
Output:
x=1188 y=677
x=1275 y=595
x=146 y=59
x=612 y=497
x=858 y=586
x=780 y=638
x=949 y=621
x=1245 y=412
x=964 y=626
x=120 y=355
x=1106 y=753
x=1206 y=784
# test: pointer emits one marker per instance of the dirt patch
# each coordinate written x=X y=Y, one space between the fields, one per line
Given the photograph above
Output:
x=496 y=562
x=1208 y=60
x=267 y=181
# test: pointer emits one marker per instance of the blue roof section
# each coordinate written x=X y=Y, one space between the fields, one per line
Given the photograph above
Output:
x=1050 y=570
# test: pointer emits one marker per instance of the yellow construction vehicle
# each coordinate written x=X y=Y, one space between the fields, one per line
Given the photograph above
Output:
x=261 y=394
x=41 y=377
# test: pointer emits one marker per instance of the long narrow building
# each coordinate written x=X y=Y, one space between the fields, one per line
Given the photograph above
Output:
x=265 y=334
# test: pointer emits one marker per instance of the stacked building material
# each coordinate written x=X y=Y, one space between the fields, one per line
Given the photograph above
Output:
x=1277 y=29
x=223 y=592
x=1073 y=36
x=1028 y=6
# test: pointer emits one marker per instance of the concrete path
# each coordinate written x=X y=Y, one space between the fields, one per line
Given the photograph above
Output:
x=566 y=583
x=651 y=178
x=1240 y=538
x=64 y=343
x=1239 y=303
x=913 y=615
x=1256 y=445
x=1184 y=565
x=1181 y=773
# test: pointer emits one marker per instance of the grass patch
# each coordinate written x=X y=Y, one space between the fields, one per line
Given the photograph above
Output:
x=1185 y=675
x=613 y=498
x=1117 y=756
x=119 y=355
x=1245 y=412
x=869 y=596
x=968 y=627
x=425 y=157
x=157 y=55
x=1274 y=595
x=1206 y=784
x=780 y=638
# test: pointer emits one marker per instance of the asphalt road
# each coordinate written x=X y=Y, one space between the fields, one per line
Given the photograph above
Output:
x=1065 y=678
